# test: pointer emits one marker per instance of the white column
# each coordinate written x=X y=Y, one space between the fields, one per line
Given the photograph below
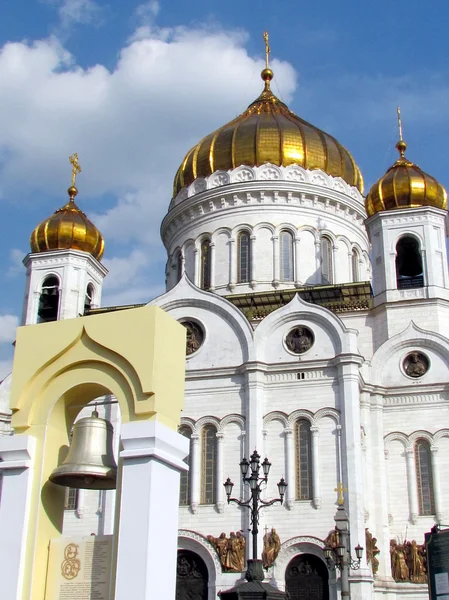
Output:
x=219 y=473
x=411 y=485
x=152 y=460
x=195 y=472
x=253 y=263
x=212 y=266
x=314 y=431
x=318 y=262
x=80 y=503
x=333 y=270
x=232 y=264
x=296 y=247
x=16 y=454
x=275 y=240
x=436 y=483
x=197 y=276
x=290 y=467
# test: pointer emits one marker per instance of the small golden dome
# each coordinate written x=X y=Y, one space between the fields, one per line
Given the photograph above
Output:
x=68 y=228
x=405 y=185
x=267 y=132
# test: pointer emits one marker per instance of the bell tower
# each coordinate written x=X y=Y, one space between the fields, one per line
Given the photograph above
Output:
x=407 y=227
x=64 y=272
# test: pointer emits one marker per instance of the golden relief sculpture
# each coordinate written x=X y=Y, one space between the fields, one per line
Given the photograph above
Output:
x=408 y=561
x=231 y=551
x=333 y=539
x=271 y=548
x=71 y=565
x=371 y=551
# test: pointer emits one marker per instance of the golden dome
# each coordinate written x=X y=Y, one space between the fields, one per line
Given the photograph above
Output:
x=68 y=228
x=405 y=185
x=267 y=132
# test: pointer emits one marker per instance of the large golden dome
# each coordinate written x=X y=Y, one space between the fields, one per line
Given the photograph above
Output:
x=267 y=132
x=405 y=185
x=68 y=228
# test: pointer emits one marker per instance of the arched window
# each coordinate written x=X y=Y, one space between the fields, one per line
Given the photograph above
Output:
x=303 y=460
x=178 y=265
x=205 y=264
x=244 y=257
x=409 y=270
x=184 y=486
x=208 y=462
x=424 y=478
x=88 y=298
x=286 y=255
x=355 y=265
x=49 y=300
x=327 y=266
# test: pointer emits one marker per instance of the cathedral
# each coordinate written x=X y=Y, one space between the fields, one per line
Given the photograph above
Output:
x=317 y=321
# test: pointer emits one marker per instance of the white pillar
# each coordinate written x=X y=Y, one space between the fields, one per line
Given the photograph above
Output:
x=253 y=263
x=276 y=280
x=219 y=473
x=290 y=467
x=195 y=472
x=233 y=264
x=318 y=262
x=333 y=269
x=314 y=431
x=411 y=485
x=80 y=503
x=16 y=454
x=296 y=262
x=152 y=460
x=197 y=276
x=212 y=266
x=436 y=483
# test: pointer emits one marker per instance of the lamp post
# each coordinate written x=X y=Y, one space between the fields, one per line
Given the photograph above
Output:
x=340 y=556
x=250 y=470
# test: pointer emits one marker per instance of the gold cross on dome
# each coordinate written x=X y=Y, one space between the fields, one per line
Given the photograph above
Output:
x=76 y=168
x=267 y=48
x=399 y=123
x=340 y=489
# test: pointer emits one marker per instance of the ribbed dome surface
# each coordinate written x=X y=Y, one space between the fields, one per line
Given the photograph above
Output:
x=268 y=132
x=68 y=228
x=405 y=185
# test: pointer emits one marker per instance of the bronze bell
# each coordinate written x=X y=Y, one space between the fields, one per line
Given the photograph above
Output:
x=90 y=463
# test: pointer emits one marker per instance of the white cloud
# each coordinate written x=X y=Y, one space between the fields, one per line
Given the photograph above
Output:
x=76 y=12
x=8 y=326
x=5 y=369
x=16 y=267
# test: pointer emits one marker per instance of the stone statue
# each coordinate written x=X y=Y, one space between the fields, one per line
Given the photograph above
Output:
x=333 y=539
x=408 y=561
x=372 y=551
x=231 y=551
x=415 y=365
x=271 y=547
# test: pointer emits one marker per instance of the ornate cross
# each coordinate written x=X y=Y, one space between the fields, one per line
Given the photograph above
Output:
x=340 y=489
x=267 y=48
x=76 y=167
x=399 y=123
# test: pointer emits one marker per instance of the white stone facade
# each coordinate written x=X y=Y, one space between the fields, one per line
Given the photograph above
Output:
x=366 y=413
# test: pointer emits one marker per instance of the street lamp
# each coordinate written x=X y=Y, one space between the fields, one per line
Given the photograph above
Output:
x=250 y=471
x=340 y=557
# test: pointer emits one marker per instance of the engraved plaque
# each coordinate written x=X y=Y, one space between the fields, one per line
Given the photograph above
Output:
x=79 y=568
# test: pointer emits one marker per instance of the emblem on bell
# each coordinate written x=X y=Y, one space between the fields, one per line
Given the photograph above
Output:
x=90 y=463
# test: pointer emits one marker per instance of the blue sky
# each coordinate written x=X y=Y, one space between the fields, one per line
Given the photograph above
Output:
x=132 y=86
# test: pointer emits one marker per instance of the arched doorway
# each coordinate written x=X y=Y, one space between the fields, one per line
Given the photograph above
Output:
x=307 y=578
x=192 y=576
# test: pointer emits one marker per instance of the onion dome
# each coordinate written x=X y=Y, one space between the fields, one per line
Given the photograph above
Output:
x=405 y=185
x=68 y=228
x=267 y=132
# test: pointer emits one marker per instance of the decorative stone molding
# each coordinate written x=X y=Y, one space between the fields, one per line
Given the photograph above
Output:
x=190 y=540
x=267 y=172
x=294 y=546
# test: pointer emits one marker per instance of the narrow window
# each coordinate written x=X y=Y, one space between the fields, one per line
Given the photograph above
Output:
x=88 y=298
x=178 y=265
x=286 y=255
x=205 y=265
x=208 y=461
x=327 y=266
x=184 y=487
x=409 y=269
x=303 y=460
x=71 y=499
x=49 y=300
x=424 y=478
x=244 y=257
x=355 y=265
